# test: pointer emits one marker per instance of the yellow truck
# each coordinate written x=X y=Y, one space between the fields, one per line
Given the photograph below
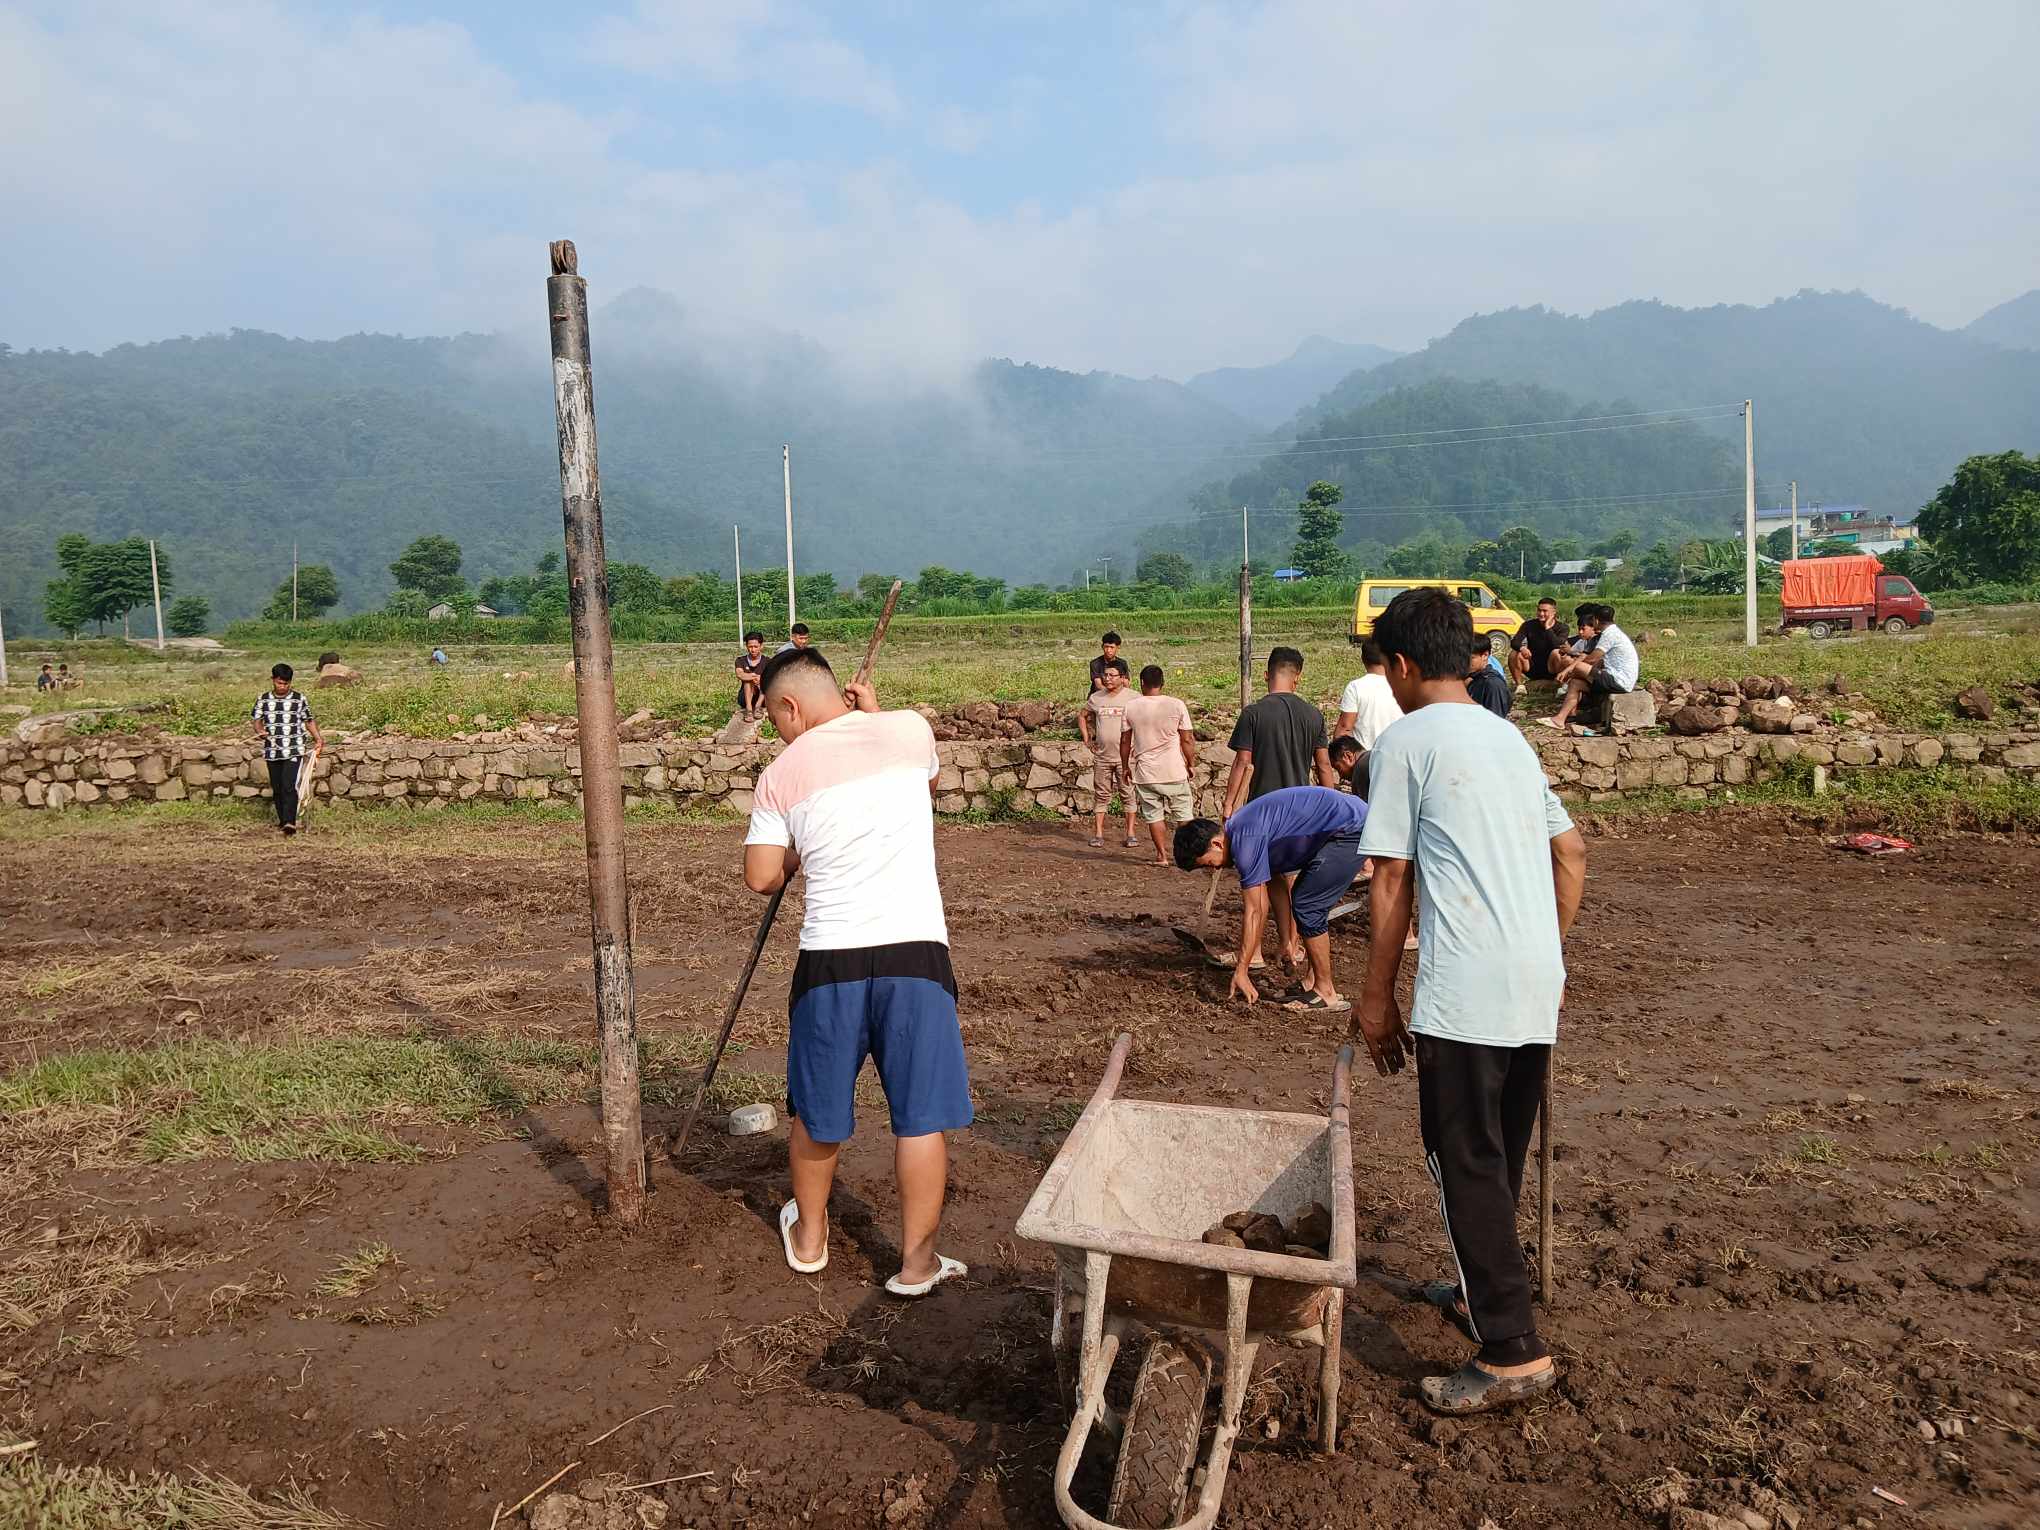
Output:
x=1490 y=615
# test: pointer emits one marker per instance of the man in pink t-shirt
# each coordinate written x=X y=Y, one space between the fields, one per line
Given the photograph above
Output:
x=1157 y=752
x=848 y=803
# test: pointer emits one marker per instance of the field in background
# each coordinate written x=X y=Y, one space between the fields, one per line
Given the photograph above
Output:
x=1910 y=680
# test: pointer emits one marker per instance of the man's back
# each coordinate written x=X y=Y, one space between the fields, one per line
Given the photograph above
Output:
x=1462 y=794
x=1284 y=732
x=851 y=795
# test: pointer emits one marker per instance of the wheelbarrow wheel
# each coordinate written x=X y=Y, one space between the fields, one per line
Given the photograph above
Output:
x=1158 y=1447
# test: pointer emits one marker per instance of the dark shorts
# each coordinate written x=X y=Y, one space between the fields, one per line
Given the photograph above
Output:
x=1323 y=882
x=893 y=1004
x=1605 y=684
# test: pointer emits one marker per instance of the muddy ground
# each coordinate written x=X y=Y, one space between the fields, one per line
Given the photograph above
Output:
x=1798 y=1127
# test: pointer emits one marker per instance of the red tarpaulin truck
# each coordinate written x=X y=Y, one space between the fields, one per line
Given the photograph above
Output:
x=1827 y=595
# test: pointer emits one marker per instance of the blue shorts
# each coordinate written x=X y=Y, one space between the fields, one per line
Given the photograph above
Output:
x=1323 y=882
x=895 y=1004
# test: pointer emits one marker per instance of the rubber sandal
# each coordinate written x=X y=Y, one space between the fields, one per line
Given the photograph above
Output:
x=788 y=1215
x=1232 y=959
x=945 y=1269
x=1095 y=843
x=1444 y=1295
x=1473 y=1390
x=1314 y=1000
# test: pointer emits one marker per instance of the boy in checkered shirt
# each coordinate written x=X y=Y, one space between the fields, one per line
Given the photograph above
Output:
x=283 y=720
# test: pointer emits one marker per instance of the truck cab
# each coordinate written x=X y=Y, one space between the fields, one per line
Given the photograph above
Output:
x=1900 y=605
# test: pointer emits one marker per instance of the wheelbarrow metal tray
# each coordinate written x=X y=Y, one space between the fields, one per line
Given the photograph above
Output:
x=1142 y=1181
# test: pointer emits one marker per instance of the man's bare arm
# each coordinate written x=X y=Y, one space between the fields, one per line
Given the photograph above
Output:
x=1326 y=776
x=1346 y=721
x=1189 y=742
x=1391 y=899
x=1568 y=876
x=767 y=868
x=1236 y=783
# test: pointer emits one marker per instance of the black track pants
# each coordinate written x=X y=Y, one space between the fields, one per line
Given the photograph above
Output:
x=283 y=786
x=1478 y=1106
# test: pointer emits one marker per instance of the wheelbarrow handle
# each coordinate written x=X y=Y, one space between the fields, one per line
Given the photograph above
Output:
x=1342 y=1087
x=1108 y=1086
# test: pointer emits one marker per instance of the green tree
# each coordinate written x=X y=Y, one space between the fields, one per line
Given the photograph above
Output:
x=318 y=592
x=1520 y=554
x=633 y=587
x=431 y=564
x=1483 y=558
x=1987 y=517
x=1778 y=544
x=189 y=616
x=1318 y=524
x=407 y=602
x=1166 y=568
x=112 y=578
x=1619 y=544
x=872 y=589
x=64 y=608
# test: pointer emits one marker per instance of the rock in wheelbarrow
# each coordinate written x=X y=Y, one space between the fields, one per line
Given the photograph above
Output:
x=1224 y=1237
x=1313 y=1226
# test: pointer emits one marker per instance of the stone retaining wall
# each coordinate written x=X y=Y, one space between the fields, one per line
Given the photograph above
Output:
x=975 y=776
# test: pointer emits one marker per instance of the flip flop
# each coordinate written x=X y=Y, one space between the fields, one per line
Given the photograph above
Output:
x=1232 y=959
x=1473 y=1390
x=1130 y=842
x=1444 y=1295
x=945 y=1269
x=1095 y=843
x=1314 y=1000
x=788 y=1215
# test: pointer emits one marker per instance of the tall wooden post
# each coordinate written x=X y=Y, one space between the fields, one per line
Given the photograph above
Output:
x=786 y=476
x=3 y=648
x=1246 y=617
x=156 y=585
x=595 y=705
x=737 y=537
x=1749 y=427
x=293 y=582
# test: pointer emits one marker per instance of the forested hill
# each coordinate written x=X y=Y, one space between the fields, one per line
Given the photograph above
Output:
x=2015 y=324
x=1270 y=395
x=1465 y=460
x=230 y=447
x=1859 y=402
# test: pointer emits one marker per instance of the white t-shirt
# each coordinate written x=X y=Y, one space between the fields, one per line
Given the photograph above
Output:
x=852 y=796
x=1621 y=662
x=1373 y=707
x=1460 y=792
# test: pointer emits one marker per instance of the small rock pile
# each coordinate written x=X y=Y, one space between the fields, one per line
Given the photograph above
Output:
x=996 y=719
x=1308 y=1237
x=595 y=1505
x=1735 y=1504
x=1759 y=703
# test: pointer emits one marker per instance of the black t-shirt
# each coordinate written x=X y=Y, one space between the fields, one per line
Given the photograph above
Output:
x=748 y=668
x=1284 y=732
x=1540 y=640
x=1490 y=690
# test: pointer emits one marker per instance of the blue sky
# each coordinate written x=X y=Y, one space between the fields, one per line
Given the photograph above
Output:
x=1146 y=188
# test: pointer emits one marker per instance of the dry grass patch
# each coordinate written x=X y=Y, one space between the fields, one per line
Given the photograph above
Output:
x=90 y=1498
x=765 y=1359
x=93 y=982
x=79 y=1281
x=357 y=1272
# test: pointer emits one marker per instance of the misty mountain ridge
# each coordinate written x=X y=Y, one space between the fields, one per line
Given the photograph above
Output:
x=2014 y=324
x=1270 y=395
x=1858 y=401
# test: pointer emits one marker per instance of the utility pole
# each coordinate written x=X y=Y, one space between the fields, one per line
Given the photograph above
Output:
x=595 y=704
x=156 y=584
x=1795 y=517
x=1246 y=617
x=1106 y=559
x=1749 y=416
x=737 y=536
x=786 y=473
x=293 y=581
x=3 y=648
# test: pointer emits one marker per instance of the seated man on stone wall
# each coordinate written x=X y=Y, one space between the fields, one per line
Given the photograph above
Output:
x=1608 y=667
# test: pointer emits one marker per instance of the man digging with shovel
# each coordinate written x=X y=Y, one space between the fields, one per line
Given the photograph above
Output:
x=1458 y=797
x=849 y=802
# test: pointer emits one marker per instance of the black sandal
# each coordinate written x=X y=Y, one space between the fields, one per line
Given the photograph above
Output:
x=1444 y=1295
x=1473 y=1390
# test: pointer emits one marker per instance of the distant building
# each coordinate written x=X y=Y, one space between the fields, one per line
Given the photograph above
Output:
x=1289 y=575
x=443 y=612
x=1576 y=570
x=1857 y=525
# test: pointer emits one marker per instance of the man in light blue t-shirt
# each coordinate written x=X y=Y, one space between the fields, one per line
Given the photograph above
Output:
x=1458 y=796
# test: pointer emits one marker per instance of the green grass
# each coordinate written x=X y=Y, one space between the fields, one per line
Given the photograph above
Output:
x=1818 y=1149
x=357 y=1272
x=945 y=661
x=335 y=1099
x=1915 y=803
x=35 y=1495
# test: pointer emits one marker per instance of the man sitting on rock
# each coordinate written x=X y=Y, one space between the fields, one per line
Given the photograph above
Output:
x=1608 y=667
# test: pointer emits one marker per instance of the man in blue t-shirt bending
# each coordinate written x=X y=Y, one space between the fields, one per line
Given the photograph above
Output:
x=1459 y=802
x=1312 y=832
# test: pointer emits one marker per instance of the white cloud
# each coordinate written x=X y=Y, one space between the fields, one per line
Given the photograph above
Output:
x=779 y=48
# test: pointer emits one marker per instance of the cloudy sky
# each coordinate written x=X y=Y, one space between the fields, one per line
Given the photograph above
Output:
x=1151 y=188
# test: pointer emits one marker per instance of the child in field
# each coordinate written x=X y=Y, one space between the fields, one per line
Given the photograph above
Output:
x=1102 y=721
x=1157 y=752
x=283 y=720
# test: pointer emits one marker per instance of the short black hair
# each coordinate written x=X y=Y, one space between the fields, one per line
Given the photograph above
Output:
x=800 y=629
x=1370 y=653
x=1193 y=839
x=1345 y=743
x=1482 y=645
x=1151 y=675
x=1586 y=611
x=1110 y=637
x=280 y=671
x=1429 y=628
x=1115 y=662
x=1606 y=613
x=330 y=656
x=1284 y=658
x=788 y=660
x=754 y=635
x=1546 y=600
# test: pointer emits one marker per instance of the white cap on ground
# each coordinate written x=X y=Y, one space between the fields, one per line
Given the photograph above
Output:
x=749 y=1120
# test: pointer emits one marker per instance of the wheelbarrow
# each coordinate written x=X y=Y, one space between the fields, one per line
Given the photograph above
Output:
x=1125 y=1205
